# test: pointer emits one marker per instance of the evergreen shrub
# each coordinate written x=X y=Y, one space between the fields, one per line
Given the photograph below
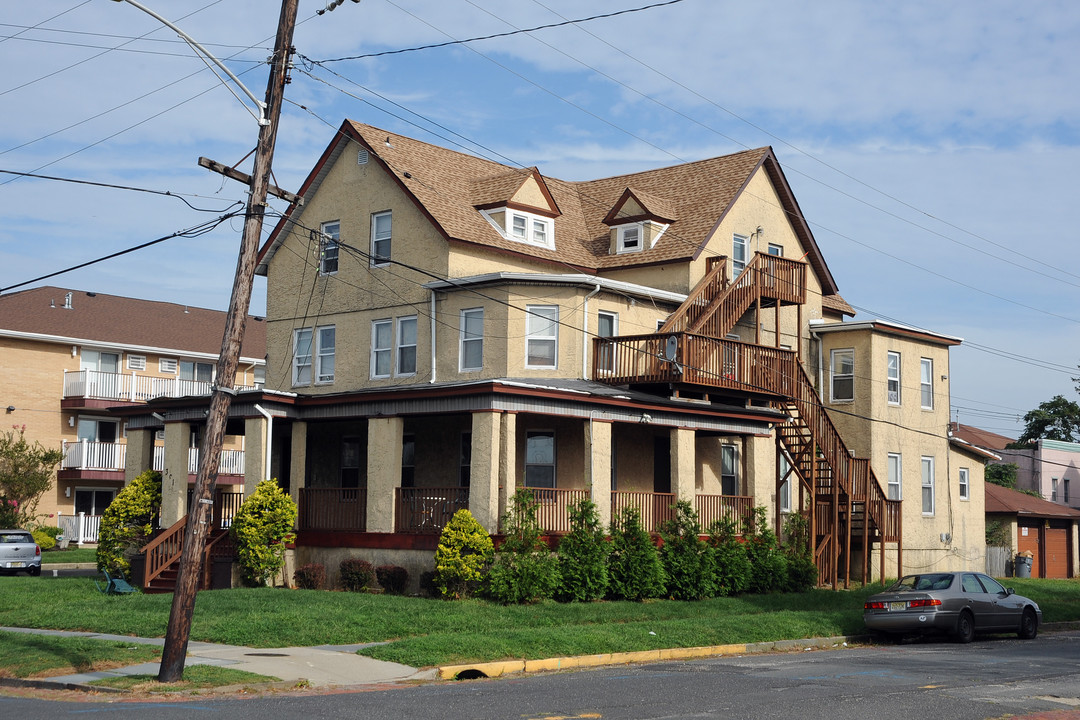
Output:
x=465 y=551
x=128 y=523
x=687 y=560
x=393 y=578
x=261 y=529
x=768 y=565
x=730 y=564
x=356 y=575
x=525 y=569
x=583 y=571
x=634 y=569
x=310 y=577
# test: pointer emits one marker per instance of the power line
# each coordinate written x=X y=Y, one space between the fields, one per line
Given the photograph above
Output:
x=167 y=193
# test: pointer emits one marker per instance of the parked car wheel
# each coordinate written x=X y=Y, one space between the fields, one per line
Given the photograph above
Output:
x=1029 y=625
x=965 y=627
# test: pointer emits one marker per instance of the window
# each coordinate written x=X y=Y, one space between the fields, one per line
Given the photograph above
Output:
x=965 y=485
x=381 y=231
x=302 y=356
x=928 y=486
x=350 y=462
x=465 y=463
x=740 y=245
x=629 y=237
x=471 y=352
x=785 y=486
x=540 y=459
x=1066 y=500
x=382 y=332
x=406 y=347
x=729 y=478
x=895 y=486
x=842 y=371
x=97 y=431
x=136 y=362
x=894 y=378
x=776 y=250
x=541 y=336
x=408 y=461
x=329 y=235
x=196 y=371
x=530 y=228
x=167 y=365
x=607 y=325
x=105 y=362
x=1053 y=490
x=326 y=345
x=926 y=383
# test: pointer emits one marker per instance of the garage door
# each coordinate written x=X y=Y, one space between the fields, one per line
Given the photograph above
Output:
x=1028 y=540
x=1057 y=552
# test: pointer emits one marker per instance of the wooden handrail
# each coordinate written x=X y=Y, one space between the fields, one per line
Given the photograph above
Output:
x=163 y=551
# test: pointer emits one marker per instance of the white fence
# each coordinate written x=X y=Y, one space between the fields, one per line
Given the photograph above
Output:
x=85 y=455
x=79 y=529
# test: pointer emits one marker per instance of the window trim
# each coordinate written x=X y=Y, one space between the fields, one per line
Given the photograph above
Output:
x=136 y=362
x=926 y=382
x=320 y=355
x=463 y=338
x=376 y=349
x=377 y=259
x=833 y=375
x=928 y=483
x=400 y=345
x=731 y=448
x=544 y=238
x=892 y=379
x=778 y=248
x=898 y=459
x=296 y=364
x=784 y=495
x=168 y=366
x=606 y=362
x=329 y=241
x=1054 y=489
x=530 y=336
x=965 y=484
x=620 y=242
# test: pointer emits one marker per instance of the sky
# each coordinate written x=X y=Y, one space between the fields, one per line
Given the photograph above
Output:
x=931 y=146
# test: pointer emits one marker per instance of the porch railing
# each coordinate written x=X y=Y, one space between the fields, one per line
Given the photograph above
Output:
x=427 y=510
x=79 y=528
x=736 y=509
x=337 y=509
x=230 y=463
x=132 y=387
x=654 y=508
x=553 y=507
x=86 y=455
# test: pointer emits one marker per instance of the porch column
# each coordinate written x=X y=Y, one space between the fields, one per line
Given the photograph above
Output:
x=598 y=467
x=140 y=453
x=298 y=463
x=683 y=464
x=255 y=439
x=383 y=471
x=174 y=478
x=508 y=472
x=484 y=468
x=760 y=465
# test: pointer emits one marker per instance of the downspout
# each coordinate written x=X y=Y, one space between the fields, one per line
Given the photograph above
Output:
x=820 y=361
x=585 y=335
x=433 y=327
x=269 y=439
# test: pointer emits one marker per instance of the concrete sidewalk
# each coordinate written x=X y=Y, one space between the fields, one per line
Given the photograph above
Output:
x=326 y=666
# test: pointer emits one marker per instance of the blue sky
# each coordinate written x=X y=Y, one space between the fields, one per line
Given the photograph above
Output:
x=932 y=146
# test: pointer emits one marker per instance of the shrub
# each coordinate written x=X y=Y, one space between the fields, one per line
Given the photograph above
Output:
x=768 y=565
x=688 y=563
x=310 y=577
x=464 y=553
x=525 y=569
x=128 y=523
x=634 y=569
x=26 y=473
x=583 y=571
x=428 y=588
x=393 y=578
x=261 y=528
x=730 y=565
x=356 y=575
x=43 y=539
x=802 y=573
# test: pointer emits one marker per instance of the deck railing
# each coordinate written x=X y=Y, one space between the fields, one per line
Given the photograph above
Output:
x=736 y=509
x=231 y=462
x=79 y=528
x=132 y=387
x=334 y=509
x=553 y=507
x=655 y=508
x=424 y=510
x=86 y=455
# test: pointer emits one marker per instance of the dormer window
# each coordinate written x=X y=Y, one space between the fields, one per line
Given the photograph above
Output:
x=522 y=226
x=629 y=238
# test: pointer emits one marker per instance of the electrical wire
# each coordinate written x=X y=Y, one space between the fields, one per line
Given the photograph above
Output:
x=167 y=193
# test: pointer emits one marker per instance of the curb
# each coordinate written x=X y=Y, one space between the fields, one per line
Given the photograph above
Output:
x=503 y=667
x=51 y=685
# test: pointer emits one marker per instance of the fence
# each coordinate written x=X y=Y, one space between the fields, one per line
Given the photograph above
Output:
x=80 y=528
x=998 y=561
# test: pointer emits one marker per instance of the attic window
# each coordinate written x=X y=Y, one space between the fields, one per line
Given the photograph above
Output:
x=629 y=238
x=521 y=226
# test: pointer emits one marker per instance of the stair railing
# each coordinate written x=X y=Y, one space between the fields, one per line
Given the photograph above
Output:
x=163 y=551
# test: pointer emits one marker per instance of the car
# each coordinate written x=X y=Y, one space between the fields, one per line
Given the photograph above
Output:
x=19 y=552
x=960 y=604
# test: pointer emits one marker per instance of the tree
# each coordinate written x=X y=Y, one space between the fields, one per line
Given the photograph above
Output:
x=128 y=523
x=1055 y=419
x=26 y=473
x=1003 y=474
x=261 y=529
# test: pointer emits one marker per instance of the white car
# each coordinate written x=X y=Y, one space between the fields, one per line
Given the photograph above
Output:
x=19 y=552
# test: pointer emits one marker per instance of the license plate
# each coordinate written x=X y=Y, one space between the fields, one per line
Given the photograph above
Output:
x=15 y=564
x=894 y=606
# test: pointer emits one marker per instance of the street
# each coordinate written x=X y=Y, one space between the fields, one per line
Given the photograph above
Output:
x=990 y=678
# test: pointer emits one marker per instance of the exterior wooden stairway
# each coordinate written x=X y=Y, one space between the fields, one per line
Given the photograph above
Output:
x=162 y=554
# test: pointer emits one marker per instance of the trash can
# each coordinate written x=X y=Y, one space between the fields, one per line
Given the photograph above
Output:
x=1023 y=566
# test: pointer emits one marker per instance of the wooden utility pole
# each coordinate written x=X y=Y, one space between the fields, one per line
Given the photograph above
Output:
x=200 y=512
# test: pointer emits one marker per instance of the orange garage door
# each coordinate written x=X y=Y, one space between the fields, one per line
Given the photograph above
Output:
x=1028 y=540
x=1057 y=552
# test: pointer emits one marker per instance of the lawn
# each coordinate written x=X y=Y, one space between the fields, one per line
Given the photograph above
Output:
x=24 y=655
x=71 y=555
x=423 y=632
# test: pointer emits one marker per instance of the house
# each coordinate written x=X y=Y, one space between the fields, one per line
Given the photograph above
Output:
x=1050 y=468
x=443 y=329
x=980 y=438
x=1046 y=530
x=74 y=361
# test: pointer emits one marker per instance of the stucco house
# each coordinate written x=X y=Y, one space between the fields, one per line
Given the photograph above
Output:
x=443 y=329
x=75 y=360
x=1050 y=468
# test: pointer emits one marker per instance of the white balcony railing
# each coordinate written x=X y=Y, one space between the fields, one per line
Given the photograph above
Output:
x=230 y=463
x=80 y=528
x=96 y=385
x=85 y=455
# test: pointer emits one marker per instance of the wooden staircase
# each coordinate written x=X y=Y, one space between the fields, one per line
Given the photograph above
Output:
x=162 y=557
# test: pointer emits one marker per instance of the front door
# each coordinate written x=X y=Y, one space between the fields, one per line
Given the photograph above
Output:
x=662 y=464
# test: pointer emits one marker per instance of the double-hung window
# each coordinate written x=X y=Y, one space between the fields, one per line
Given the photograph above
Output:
x=629 y=238
x=927 y=485
x=541 y=336
x=729 y=477
x=895 y=486
x=529 y=228
x=842 y=374
x=471 y=352
x=1053 y=489
x=894 y=378
x=926 y=383
x=607 y=326
x=540 y=459
x=465 y=460
x=317 y=343
x=329 y=237
x=324 y=348
x=301 y=356
x=408 y=461
x=740 y=252
x=965 y=485
x=406 y=346
x=785 y=484
x=382 y=348
x=381 y=232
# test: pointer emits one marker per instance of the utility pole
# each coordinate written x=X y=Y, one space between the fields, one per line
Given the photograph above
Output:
x=199 y=514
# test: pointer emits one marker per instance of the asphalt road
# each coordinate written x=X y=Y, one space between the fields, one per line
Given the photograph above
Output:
x=991 y=678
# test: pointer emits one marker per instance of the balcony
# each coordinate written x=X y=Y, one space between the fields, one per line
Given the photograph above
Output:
x=94 y=385
x=230 y=463
x=84 y=455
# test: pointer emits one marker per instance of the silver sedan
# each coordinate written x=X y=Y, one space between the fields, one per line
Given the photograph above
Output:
x=960 y=604
x=18 y=551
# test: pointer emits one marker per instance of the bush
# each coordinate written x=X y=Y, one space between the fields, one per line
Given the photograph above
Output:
x=128 y=523
x=310 y=577
x=730 y=565
x=688 y=563
x=583 y=571
x=428 y=588
x=356 y=575
x=802 y=573
x=43 y=539
x=261 y=528
x=525 y=569
x=768 y=565
x=26 y=473
x=393 y=578
x=634 y=569
x=463 y=556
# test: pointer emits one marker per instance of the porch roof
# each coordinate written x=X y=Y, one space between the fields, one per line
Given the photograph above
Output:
x=1003 y=500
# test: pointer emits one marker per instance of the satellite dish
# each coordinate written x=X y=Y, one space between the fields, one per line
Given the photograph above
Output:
x=671 y=348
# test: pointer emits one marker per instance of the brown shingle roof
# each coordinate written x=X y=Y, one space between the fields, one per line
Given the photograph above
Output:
x=1004 y=500
x=837 y=304
x=980 y=438
x=118 y=320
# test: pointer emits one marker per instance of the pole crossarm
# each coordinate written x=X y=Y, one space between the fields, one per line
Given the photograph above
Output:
x=243 y=177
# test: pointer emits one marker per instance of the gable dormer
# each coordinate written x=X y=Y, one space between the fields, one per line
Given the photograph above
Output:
x=519 y=205
x=637 y=221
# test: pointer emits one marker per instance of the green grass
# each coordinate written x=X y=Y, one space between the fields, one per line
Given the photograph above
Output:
x=23 y=655
x=426 y=632
x=71 y=555
x=196 y=677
